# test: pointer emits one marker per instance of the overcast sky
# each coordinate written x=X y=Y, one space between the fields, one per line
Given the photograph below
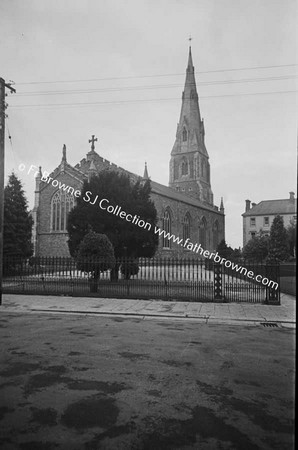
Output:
x=130 y=56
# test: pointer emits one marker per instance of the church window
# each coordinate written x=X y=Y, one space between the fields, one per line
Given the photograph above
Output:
x=215 y=235
x=186 y=227
x=167 y=226
x=62 y=204
x=184 y=134
x=184 y=167
x=203 y=233
x=191 y=169
x=176 y=174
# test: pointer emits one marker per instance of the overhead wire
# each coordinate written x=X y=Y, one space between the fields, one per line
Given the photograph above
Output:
x=155 y=76
x=163 y=86
x=146 y=100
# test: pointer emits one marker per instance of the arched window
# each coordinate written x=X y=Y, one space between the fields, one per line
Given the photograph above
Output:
x=176 y=172
x=192 y=94
x=184 y=134
x=62 y=203
x=167 y=226
x=186 y=227
x=203 y=233
x=215 y=230
x=184 y=167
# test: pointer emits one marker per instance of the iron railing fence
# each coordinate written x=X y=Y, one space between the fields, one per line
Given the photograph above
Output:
x=146 y=278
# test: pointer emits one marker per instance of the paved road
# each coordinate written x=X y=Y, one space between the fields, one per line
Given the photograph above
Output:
x=71 y=381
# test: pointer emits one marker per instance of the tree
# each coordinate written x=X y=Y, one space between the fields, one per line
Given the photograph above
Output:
x=292 y=237
x=18 y=223
x=278 y=241
x=95 y=255
x=224 y=250
x=127 y=238
x=256 y=248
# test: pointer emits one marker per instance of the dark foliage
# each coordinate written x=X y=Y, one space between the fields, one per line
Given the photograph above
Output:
x=292 y=238
x=224 y=250
x=95 y=255
x=128 y=239
x=278 y=241
x=17 y=221
x=256 y=248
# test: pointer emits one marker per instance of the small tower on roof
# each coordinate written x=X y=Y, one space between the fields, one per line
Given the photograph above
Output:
x=221 y=208
x=92 y=170
x=146 y=176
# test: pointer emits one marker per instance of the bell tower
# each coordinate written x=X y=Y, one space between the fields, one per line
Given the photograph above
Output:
x=189 y=163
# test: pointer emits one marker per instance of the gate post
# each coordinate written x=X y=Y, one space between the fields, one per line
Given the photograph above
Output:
x=273 y=274
x=218 y=294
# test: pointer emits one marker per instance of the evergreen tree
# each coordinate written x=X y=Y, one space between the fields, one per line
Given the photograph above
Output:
x=224 y=250
x=127 y=238
x=17 y=221
x=292 y=238
x=95 y=255
x=256 y=248
x=278 y=241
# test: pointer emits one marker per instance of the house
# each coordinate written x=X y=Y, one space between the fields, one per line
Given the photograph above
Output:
x=259 y=217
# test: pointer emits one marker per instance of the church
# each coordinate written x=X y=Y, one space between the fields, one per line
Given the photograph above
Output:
x=185 y=207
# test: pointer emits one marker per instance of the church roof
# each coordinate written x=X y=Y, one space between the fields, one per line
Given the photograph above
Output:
x=157 y=188
x=273 y=207
x=166 y=191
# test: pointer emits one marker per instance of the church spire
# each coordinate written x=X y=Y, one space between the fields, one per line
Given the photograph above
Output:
x=189 y=165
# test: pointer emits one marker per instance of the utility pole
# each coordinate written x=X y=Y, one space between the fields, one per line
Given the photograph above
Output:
x=3 y=85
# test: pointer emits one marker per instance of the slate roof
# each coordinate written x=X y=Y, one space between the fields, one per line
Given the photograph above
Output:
x=273 y=207
x=166 y=191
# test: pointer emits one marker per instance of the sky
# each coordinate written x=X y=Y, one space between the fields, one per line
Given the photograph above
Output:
x=116 y=69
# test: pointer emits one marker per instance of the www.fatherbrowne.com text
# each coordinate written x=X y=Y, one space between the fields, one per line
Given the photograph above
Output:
x=104 y=204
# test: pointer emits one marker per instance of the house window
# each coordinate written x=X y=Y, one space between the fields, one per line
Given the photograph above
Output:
x=184 y=134
x=252 y=221
x=62 y=204
x=253 y=234
x=186 y=227
x=266 y=221
x=167 y=226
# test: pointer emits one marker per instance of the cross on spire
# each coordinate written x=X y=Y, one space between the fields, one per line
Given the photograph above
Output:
x=93 y=140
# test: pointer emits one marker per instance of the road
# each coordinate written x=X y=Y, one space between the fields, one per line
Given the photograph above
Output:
x=75 y=381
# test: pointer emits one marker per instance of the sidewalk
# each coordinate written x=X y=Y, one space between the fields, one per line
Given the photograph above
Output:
x=285 y=314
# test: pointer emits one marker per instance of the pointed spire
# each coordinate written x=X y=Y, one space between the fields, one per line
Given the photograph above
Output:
x=190 y=66
x=146 y=176
x=64 y=153
x=221 y=208
x=39 y=174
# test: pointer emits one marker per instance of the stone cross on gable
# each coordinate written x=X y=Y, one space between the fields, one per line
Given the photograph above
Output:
x=93 y=140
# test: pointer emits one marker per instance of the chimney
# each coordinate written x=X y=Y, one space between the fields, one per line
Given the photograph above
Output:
x=247 y=205
x=292 y=196
x=253 y=204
